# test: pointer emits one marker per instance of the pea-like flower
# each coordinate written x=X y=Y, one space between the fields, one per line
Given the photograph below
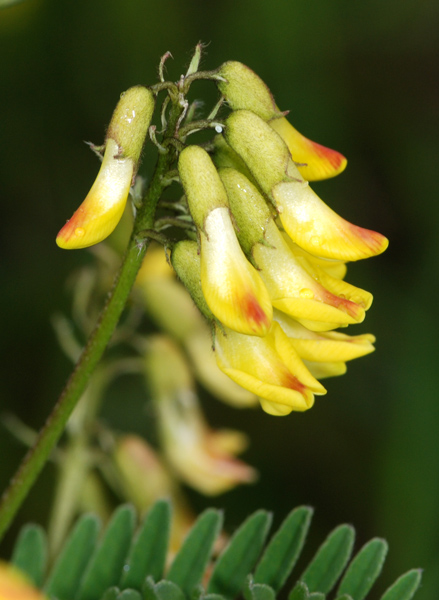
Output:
x=296 y=286
x=203 y=458
x=104 y=205
x=232 y=287
x=309 y=222
x=269 y=367
x=244 y=89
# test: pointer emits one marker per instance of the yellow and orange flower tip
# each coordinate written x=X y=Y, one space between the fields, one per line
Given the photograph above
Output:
x=315 y=162
x=104 y=205
x=269 y=367
x=14 y=585
x=316 y=228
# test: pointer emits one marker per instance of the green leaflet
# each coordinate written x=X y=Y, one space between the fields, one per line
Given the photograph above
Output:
x=330 y=560
x=284 y=549
x=237 y=560
x=299 y=592
x=163 y=590
x=69 y=568
x=129 y=594
x=30 y=553
x=404 y=587
x=148 y=551
x=105 y=567
x=364 y=569
x=258 y=591
x=191 y=561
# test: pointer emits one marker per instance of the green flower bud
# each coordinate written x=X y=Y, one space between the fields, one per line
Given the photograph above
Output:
x=261 y=148
x=244 y=89
x=201 y=182
x=250 y=210
x=186 y=262
x=130 y=121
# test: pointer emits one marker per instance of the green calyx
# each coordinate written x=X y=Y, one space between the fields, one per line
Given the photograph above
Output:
x=262 y=149
x=243 y=89
x=250 y=211
x=186 y=262
x=130 y=121
x=201 y=182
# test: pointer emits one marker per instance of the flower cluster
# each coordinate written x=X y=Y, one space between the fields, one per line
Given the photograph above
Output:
x=265 y=257
x=272 y=254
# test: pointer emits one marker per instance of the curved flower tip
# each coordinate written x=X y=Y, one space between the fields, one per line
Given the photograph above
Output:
x=316 y=228
x=103 y=207
x=15 y=586
x=231 y=286
x=269 y=367
x=316 y=162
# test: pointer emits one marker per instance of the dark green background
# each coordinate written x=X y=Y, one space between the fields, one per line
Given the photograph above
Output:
x=358 y=76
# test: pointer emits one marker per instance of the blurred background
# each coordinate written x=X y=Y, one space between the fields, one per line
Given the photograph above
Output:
x=360 y=77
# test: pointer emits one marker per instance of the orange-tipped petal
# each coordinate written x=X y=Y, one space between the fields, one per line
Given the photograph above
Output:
x=316 y=162
x=103 y=207
x=231 y=286
x=316 y=228
x=269 y=367
x=298 y=292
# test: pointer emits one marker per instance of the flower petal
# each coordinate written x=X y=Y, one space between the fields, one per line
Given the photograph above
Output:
x=103 y=207
x=231 y=286
x=316 y=161
x=269 y=367
x=316 y=228
x=296 y=291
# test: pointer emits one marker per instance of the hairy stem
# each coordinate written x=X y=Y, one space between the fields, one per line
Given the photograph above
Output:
x=49 y=435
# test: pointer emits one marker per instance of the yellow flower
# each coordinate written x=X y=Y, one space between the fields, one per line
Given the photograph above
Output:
x=202 y=458
x=104 y=205
x=269 y=367
x=231 y=286
x=172 y=308
x=324 y=347
x=309 y=222
x=295 y=285
x=14 y=585
x=316 y=228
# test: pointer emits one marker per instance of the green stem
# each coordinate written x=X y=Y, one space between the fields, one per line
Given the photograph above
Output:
x=49 y=435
